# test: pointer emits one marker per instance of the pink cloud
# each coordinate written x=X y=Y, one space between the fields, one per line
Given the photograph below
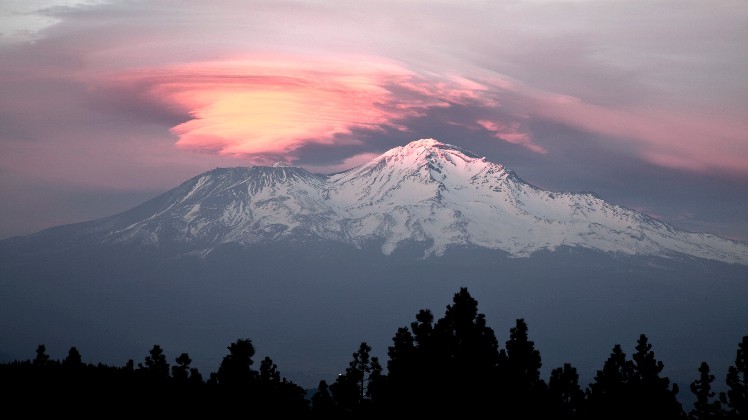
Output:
x=270 y=106
x=690 y=139
x=512 y=132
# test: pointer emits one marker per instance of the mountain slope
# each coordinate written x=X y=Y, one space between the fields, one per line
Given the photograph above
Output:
x=426 y=192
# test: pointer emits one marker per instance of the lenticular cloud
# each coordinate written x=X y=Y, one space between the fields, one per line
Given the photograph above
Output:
x=272 y=106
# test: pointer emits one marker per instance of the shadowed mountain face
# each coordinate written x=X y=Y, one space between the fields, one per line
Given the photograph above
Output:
x=308 y=266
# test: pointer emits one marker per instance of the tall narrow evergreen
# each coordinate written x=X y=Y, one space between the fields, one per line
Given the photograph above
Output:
x=609 y=395
x=706 y=407
x=652 y=389
x=736 y=397
x=523 y=393
x=350 y=390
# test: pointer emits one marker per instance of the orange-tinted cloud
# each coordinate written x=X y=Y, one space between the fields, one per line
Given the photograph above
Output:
x=268 y=107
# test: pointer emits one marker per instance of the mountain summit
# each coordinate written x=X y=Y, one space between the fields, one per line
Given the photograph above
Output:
x=425 y=192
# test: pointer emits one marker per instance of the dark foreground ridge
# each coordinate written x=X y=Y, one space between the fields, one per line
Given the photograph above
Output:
x=450 y=366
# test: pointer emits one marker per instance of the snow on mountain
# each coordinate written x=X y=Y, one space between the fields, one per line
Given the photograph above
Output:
x=425 y=191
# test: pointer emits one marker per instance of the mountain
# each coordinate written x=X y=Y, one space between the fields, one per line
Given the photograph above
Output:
x=309 y=265
x=425 y=192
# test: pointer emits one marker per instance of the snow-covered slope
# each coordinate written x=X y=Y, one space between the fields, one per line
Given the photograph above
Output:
x=425 y=191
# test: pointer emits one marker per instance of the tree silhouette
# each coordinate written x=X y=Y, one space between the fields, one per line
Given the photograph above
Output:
x=736 y=397
x=629 y=388
x=155 y=367
x=652 y=390
x=609 y=393
x=73 y=359
x=705 y=407
x=405 y=372
x=42 y=358
x=565 y=396
x=236 y=367
x=443 y=366
x=181 y=371
x=450 y=367
x=274 y=395
x=350 y=389
x=323 y=405
x=269 y=371
x=523 y=393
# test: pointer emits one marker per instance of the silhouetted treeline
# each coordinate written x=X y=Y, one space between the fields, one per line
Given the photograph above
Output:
x=453 y=365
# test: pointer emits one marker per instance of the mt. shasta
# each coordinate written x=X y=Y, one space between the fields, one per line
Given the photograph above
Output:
x=425 y=192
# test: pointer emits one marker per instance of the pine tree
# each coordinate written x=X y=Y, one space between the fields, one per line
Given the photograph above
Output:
x=155 y=366
x=565 y=396
x=445 y=365
x=181 y=372
x=323 y=405
x=705 y=407
x=350 y=390
x=73 y=359
x=609 y=395
x=269 y=371
x=523 y=393
x=376 y=382
x=630 y=388
x=236 y=367
x=42 y=358
x=736 y=397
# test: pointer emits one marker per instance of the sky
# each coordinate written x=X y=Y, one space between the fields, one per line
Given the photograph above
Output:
x=106 y=104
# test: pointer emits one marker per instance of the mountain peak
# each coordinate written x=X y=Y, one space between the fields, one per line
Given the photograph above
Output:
x=424 y=192
x=421 y=143
x=430 y=144
x=428 y=150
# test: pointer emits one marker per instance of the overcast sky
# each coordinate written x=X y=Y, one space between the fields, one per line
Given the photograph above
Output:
x=105 y=104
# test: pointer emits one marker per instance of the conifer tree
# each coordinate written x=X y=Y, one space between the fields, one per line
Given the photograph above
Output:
x=269 y=371
x=403 y=382
x=350 y=390
x=236 y=367
x=609 y=394
x=323 y=405
x=181 y=371
x=736 y=397
x=705 y=407
x=653 y=390
x=42 y=358
x=73 y=359
x=565 y=396
x=445 y=365
x=155 y=365
x=629 y=388
x=523 y=393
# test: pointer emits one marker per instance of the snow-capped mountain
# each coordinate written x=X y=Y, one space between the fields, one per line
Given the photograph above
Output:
x=426 y=191
x=295 y=260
